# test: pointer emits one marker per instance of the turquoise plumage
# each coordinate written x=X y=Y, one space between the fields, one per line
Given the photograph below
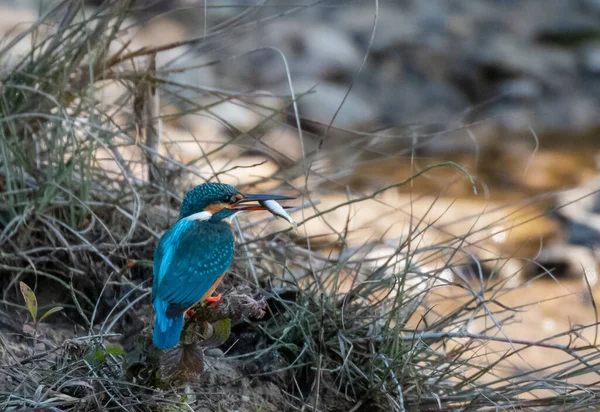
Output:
x=194 y=254
x=189 y=259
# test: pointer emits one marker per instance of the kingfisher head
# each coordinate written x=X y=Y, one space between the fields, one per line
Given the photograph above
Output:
x=218 y=201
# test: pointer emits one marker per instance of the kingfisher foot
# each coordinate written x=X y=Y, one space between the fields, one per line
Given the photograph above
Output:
x=213 y=300
x=189 y=313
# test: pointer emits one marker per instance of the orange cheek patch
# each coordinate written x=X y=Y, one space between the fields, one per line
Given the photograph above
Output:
x=214 y=208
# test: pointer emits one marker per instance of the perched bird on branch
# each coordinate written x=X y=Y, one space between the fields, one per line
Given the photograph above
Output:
x=193 y=256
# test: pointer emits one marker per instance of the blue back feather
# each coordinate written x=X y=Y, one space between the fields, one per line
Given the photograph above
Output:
x=187 y=262
x=167 y=331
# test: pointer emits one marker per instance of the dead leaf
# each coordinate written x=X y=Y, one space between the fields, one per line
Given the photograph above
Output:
x=30 y=300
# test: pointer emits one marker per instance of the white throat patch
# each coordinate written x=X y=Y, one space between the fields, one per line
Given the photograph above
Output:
x=202 y=216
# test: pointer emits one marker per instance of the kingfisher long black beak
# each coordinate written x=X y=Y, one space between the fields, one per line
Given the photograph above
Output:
x=242 y=204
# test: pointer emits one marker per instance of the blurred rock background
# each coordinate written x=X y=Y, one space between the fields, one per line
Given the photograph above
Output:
x=522 y=65
x=515 y=65
x=508 y=89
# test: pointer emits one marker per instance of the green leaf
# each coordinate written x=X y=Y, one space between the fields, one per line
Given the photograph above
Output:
x=99 y=355
x=50 y=312
x=144 y=263
x=115 y=350
x=220 y=333
x=30 y=300
x=222 y=329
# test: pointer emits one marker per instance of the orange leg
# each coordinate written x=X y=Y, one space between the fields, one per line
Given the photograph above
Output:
x=207 y=295
x=213 y=300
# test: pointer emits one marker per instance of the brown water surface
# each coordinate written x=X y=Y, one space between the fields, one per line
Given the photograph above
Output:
x=546 y=306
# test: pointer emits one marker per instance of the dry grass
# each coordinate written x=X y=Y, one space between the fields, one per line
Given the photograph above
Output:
x=346 y=328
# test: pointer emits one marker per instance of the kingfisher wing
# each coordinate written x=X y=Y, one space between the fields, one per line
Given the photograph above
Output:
x=189 y=259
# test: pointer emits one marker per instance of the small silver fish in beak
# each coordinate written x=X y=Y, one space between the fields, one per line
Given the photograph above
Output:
x=278 y=211
x=265 y=202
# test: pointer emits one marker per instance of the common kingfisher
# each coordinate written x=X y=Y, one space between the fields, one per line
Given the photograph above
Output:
x=193 y=256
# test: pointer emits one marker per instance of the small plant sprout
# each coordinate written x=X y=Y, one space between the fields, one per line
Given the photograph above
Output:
x=32 y=304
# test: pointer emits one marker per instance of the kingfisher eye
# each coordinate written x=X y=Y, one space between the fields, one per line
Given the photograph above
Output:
x=230 y=199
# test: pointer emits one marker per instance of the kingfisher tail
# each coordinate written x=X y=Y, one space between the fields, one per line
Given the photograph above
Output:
x=166 y=330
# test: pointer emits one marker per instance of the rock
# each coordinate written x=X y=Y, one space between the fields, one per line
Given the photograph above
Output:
x=418 y=102
x=394 y=25
x=574 y=113
x=592 y=6
x=245 y=170
x=578 y=215
x=284 y=144
x=584 y=234
x=590 y=58
x=14 y=22
x=325 y=48
x=193 y=145
x=160 y=31
x=567 y=261
x=569 y=33
x=513 y=119
x=522 y=90
x=509 y=57
x=246 y=113
x=321 y=105
x=429 y=62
